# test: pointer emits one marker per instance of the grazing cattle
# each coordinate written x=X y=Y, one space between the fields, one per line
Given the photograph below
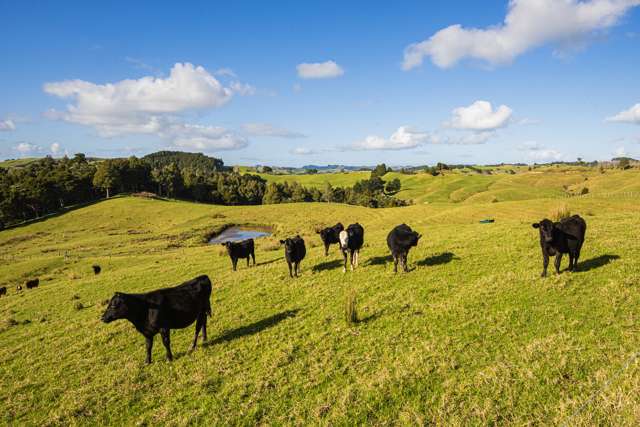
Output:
x=330 y=235
x=351 y=241
x=33 y=283
x=96 y=269
x=400 y=240
x=243 y=249
x=3 y=290
x=294 y=252
x=557 y=238
x=164 y=309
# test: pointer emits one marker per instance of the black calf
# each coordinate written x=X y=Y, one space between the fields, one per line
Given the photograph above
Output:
x=564 y=237
x=243 y=249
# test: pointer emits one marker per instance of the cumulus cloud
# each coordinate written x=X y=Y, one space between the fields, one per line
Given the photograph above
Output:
x=319 y=70
x=402 y=139
x=149 y=106
x=55 y=148
x=302 y=151
x=480 y=116
x=26 y=148
x=538 y=152
x=7 y=125
x=528 y=24
x=243 y=89
x=266 y=129
x=632 y=115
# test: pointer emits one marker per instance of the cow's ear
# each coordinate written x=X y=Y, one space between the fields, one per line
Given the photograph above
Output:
x=419 y=236
x=535 y=225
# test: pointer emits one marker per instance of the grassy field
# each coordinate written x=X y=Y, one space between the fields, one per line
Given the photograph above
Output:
x=472 y=335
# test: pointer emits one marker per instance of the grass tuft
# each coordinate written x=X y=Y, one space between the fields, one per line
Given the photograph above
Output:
x=559 y=213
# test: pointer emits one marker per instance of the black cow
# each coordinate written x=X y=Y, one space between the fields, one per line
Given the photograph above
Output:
x=33 y=283
x=351 y=241
x=3 y=290
x=564 y=237
x=400 y=240
x=163 y=310
x=96 y=269
x=330 y=235
x=294 y=252
x=242 y=249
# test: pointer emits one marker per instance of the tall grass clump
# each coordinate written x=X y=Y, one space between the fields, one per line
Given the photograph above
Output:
x=560 y=213
x=351 y=309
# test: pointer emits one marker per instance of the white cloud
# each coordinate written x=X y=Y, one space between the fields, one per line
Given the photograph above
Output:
x=302 y=151
x=266 y=129
x=632 y=115
x=7 y=125
x=472 y=138
x=319 y=70
x=480 y=116
x=243 y=89
x=25 y=148
x=149 y=106
x=538 y=152
x=55 y=148
x=225 y=72
x=402 y=139
x=528 y=24
x=620 y=152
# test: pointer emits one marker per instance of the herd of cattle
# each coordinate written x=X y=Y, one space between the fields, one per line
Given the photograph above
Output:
x=161 y=310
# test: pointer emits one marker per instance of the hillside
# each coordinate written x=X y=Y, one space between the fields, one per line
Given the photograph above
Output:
x=471 y=335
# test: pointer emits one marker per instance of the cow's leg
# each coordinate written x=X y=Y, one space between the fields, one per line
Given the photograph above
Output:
x=557 y=262
x=253 y=257
x=575 y=259
x=297 y=268
x=166 y=340
x=357 y=257
x=204 y=327
x=395 y=263
x=344 y=266
x=571 y=261
x=290 y=273
x=149 y=348
x=326 y=249
x=545 y=264
x=234 y=261
x=351 y=259
x=248 y=259
x=199 y=321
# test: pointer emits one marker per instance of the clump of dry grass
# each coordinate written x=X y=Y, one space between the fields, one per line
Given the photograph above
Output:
x=351 y=309
x=559 y=213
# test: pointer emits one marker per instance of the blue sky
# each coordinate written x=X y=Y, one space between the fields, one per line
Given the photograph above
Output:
x=291 y=83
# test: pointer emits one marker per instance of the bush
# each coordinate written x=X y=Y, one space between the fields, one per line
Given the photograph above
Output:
x=560 y=213
x=350 y=309
x=584 y=191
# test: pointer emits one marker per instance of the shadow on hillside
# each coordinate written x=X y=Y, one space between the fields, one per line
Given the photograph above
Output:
x=596 y=262
x=270 y=262
x=443 y=258
x=253 y=328
x=329 y=265
x=379 y=260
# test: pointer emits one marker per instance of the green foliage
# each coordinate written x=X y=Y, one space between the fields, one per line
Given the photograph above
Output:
x=184 y=160
x=379 y=171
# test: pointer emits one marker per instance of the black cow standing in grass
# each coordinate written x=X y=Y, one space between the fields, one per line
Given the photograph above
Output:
x=351 y=241
x=330 y=235
x=294 y=252
x=400 y=240
x=163 y=310
x=564 y=237
x=243 y=249
x=3 y=290
x=96 y=269
x=33 y=283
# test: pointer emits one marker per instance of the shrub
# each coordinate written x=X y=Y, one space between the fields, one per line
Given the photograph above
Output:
x=559 y=213
x=350 y=309
x=584 y=191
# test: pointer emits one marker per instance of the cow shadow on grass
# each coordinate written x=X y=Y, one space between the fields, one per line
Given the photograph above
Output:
x=443 y=258
x=328 y=265
x=270 y=261
x=253 y=328
x=597 y=262
x=379 y=260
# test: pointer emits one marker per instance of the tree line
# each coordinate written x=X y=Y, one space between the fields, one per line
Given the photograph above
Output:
x=49 y=185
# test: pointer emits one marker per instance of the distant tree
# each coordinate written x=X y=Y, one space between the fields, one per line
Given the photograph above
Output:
x=379 y=171
x=107 y=176
x=312 y=171
x=393 y=186
x=624 y=163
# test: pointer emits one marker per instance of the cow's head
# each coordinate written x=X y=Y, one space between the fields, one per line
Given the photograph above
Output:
x=344 y=239
x=546 y=229
x=415 y=237
x=228 y=246
x=289 y=245
x=117 y=309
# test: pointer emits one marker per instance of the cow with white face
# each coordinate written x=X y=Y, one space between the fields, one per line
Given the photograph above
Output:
x=351 y=241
